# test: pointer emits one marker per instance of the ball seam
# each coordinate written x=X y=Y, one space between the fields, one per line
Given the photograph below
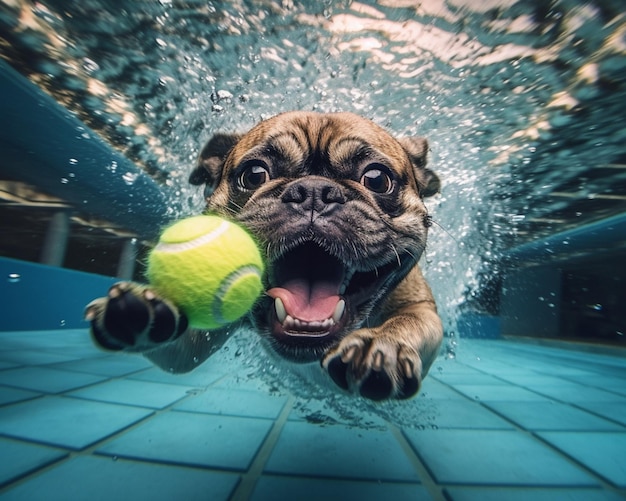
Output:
x=196 y=242
x=227 y=284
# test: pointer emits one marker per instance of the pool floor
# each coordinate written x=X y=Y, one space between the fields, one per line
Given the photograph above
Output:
x=503 y=420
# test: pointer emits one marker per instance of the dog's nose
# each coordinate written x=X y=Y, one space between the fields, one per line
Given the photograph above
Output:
x=314 y=194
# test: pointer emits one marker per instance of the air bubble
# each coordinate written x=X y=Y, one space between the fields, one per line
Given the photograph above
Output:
x=90 y=65
x=451 y=349
x=14 y=278
x=130 y=177
x=224 y=94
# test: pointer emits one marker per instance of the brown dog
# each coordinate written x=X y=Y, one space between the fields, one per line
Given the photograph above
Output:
x=336 y=204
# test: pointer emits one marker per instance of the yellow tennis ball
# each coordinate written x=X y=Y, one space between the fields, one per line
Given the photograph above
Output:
x=209 y=267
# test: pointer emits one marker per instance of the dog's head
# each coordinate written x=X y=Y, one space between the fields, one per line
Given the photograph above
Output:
x=335 y=203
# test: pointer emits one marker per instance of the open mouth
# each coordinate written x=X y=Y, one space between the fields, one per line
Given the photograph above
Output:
x=315 y=294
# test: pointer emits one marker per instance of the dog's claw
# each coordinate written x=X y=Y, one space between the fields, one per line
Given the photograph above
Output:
x=349 y=354
x=378 y=360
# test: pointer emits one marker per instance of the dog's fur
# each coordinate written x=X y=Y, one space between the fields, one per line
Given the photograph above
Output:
x=336 y=204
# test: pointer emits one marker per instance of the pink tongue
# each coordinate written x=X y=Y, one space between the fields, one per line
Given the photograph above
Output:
x=305 y=302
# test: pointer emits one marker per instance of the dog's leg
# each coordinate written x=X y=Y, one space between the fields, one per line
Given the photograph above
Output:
x=391 y=359
x=133 y=318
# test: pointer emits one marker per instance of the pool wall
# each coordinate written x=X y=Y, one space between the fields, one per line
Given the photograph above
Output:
x=40 y=297
x=44 y=144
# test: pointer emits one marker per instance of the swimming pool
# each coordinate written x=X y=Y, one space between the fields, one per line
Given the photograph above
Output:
x=104 y=110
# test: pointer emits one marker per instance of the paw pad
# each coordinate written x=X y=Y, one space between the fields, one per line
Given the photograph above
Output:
x=377 y=386
x=132 y=317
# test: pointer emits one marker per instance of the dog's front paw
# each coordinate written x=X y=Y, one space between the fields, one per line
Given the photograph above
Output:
x=134 y=318
x=374 y=365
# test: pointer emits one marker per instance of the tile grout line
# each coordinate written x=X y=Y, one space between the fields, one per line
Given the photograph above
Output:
x=68 y=453
x=91 y=450
x=426 y=479
x=244 y=490
x=602 y=482
x=252 y=475
x=30 y=474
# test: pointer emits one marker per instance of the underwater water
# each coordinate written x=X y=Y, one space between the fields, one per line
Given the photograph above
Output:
x=517 y=99
x=522 y=104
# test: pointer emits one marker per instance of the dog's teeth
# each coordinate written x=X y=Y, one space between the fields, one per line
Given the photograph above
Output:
x=281 y=313
x=339 y=309
x=289 y=322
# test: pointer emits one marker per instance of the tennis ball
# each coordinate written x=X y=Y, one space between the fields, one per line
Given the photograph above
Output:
x=209 y=267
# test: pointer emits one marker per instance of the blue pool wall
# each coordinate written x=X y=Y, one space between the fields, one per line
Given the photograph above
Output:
x=40 y=297
x=478 y=325
x=530 y=304
x=42 y=143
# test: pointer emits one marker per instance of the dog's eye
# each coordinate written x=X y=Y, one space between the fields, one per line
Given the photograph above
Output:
x=253 y=177
x=377 y=180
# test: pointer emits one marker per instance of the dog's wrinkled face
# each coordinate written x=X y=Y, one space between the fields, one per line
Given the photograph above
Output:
x=336 y=204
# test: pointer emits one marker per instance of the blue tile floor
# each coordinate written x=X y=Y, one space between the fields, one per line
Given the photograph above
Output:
x=504 y=420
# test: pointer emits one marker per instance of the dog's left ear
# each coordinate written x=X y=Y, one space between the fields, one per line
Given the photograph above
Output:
x=417 y=149
x=211 y=161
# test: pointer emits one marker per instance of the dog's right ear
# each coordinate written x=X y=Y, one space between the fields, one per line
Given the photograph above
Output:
x=212 y=158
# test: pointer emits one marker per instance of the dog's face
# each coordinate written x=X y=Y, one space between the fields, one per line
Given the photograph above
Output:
x=335 y=203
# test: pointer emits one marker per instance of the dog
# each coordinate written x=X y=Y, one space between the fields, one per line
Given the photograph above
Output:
x=336 y=205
